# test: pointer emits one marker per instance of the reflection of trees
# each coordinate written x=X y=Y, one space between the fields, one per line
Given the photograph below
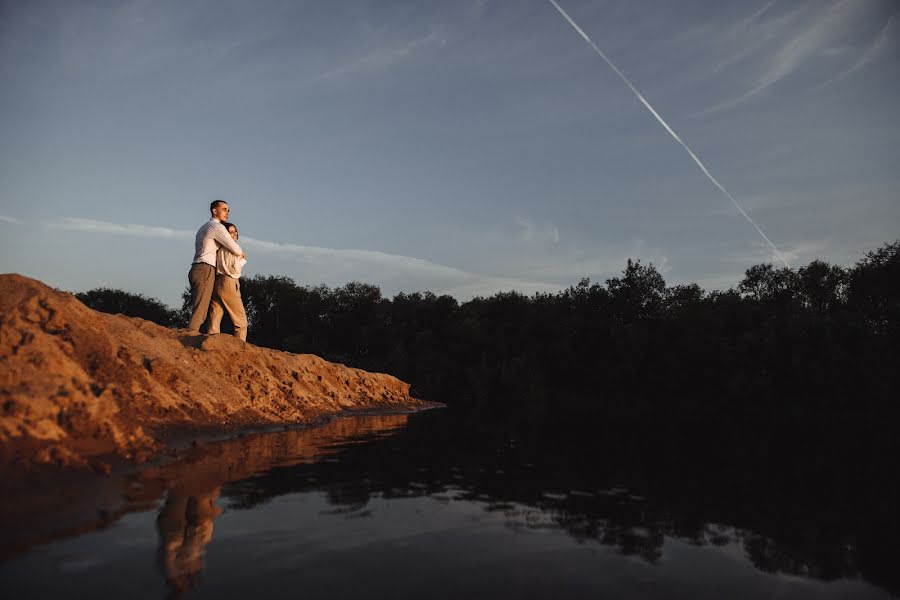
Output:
x=620 y=524
x=565 y=476
x=581 y=478
x=350 y=496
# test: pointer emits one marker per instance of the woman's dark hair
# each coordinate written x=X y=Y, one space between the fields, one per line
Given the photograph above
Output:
x=227 y=225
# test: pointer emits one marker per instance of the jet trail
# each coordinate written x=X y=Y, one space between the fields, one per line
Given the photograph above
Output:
x=662 y=122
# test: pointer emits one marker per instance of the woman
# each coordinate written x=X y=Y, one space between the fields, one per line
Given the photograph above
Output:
x=227 y=295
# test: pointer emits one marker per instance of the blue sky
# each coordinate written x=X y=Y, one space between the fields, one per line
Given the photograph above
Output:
x=461 y=147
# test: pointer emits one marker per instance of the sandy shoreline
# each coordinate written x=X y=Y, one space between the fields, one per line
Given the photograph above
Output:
x=78 y=386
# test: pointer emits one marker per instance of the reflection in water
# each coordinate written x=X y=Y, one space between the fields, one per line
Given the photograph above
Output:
x=364 y=494
x=185 y=526
x=185 y=521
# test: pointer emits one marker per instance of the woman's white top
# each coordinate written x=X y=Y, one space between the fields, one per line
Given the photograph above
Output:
x=229 y=264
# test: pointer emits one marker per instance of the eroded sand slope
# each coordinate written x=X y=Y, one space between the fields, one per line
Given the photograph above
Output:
x=77 y=384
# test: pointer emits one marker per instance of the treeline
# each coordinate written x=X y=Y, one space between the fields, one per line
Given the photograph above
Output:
x=115 y=301
x=821 y=337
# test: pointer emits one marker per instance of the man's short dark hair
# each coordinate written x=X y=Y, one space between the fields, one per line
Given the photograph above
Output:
x=215 y=204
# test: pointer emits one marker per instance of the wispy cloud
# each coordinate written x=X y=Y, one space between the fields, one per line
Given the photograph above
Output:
x=871 y=53
x=381 y=58
x=530 y=231
x=781 y=45
x=10 y=220
x=445 y=279
x=802 y=46
x=348 y=264
x=749 y=37
x=93 y=226
x=759 y=13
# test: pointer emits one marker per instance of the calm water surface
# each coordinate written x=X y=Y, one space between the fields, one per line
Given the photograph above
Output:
x=412 y=506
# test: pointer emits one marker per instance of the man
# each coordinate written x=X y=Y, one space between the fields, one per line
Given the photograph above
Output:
x=202 y=275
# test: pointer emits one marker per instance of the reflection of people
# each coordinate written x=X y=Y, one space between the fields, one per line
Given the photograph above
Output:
x=185 y=525
x=227 y=294
x=202 y=276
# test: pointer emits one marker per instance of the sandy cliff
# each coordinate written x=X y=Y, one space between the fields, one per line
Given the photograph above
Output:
x=76 y=385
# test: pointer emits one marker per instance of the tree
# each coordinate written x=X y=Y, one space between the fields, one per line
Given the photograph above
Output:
x=764 y=283
x=277 y=308
x=638 y=294
x=822 y=287
x=134 y=305
x=680 y=298
x=874 y=288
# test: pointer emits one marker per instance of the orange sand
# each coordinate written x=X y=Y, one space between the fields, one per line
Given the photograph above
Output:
x=77 y=386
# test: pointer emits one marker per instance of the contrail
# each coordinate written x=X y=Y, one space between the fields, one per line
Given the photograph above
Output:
x=662 y=122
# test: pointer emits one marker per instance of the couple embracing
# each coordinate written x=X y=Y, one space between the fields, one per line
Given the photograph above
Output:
x=215 y=274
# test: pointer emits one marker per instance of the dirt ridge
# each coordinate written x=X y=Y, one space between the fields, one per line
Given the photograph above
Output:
x=77 y=385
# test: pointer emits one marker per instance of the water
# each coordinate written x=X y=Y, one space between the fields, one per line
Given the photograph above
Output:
x=434 y=504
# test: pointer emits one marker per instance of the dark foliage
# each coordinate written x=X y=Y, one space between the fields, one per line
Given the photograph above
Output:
x=820 y=337
x=874 y=289
x=134 y=305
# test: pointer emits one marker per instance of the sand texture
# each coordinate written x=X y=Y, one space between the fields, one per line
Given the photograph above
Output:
x=78 y=386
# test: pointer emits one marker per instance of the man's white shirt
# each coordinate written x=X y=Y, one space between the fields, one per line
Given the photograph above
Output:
x=209 y=237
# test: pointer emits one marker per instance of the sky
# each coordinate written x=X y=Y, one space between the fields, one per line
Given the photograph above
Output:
x=463 y=147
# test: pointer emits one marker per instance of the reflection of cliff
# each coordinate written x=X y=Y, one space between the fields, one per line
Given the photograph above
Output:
x=185 y=521
x=232 y=460
x=49 y=505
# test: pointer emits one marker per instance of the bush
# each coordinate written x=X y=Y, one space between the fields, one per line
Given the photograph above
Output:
x=133 y=305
